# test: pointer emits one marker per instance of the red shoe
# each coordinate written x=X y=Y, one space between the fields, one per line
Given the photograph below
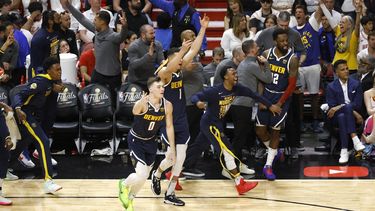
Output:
x=168 y=176
x=244 y=187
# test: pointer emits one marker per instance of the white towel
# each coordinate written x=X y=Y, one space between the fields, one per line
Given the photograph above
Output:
x=13 y=129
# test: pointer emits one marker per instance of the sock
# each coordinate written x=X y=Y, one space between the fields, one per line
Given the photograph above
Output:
x=171 y=187
x=267 y=144
x=237 y=180
x=270 y=156
x=355 y=140
x=344 y=151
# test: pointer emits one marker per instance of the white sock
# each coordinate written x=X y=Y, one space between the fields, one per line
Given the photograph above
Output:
x=270 y=156
x=171 y=187
x=158 y=173
x=356 y=140
x=344 y=151
x=237 y=180
x=267 y=144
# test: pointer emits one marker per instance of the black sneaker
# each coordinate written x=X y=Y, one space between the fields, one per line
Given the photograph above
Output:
x=155 y=184
x=193 y=173
x=172 y=199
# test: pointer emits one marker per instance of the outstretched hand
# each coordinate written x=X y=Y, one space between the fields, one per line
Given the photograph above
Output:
x=123 y=20
x=204 y=21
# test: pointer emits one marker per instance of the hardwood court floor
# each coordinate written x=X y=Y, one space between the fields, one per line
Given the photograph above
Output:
x=94 y=194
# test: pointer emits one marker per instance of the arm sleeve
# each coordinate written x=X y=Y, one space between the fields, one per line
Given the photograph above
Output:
x=81 y=18
x=27 y=93
x=120 y=37
x=244 y=91
x=204 y=96
x=314 y=23
x=289 y=90
x=329 y=16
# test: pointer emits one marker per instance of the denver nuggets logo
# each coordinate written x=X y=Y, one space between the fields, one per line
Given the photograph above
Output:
x=33 y=86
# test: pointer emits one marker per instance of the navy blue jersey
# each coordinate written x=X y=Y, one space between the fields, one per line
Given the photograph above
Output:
x=174 y=93
x=310 y=39
x=33 y=97
x=219 y=99
x=280 y=71
x=147 y=125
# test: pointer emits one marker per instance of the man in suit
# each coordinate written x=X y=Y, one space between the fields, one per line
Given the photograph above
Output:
x=344 y=98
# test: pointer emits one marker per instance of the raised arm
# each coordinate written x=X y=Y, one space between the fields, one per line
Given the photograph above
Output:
x=332 y=22
x=196 y=46
x=78 y=15
x=166 y=6
x=358 y=11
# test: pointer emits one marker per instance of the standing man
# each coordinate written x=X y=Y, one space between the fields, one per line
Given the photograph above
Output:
x=251 y=71
x=284 y=68
x=183 y=17
x=29 y=105
x=309 y=70
x=150 y=113
x=44 y=43
x=134 y=16
x=219 y=98
x=107 y=47
x=66 y=34
x=145 y=55
x=172 y=76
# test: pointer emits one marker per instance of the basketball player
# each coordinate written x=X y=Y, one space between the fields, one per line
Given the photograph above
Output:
x=151 y=112
x=219 y=98
x=174 y=92
x=29 y=105
x=5 y=145
x=284 y=68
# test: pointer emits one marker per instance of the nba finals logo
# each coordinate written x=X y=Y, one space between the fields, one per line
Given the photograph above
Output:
x=130 y=97
x=96 y=98
x=65 y=96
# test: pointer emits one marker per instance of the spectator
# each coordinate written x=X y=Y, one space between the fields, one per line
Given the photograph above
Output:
x=250 y=6
x=237 y=35
x=237 y=57
x=34 y=20
x=67 y=34
x=5 y=7
x=55 y=5
x=8 y=53
x=145 y=54
x=209 y=70
x=44 y=43
x=344 y=98
x=107 y=47
x=333 y=17
x=347 y=35
x=264 y=12
x=369 y=98
x=270 y=21
x=183 y=17
x=163 y=33
x=365 y=71
x=370 y=50
x=26 y=6
x=87 y=64
x=234 y=7
x=327 y=42
x=370 y=6
x=64 y=46
x=367 y=27
x=293 y=20
x=120 y=5
x=283 y=5
x=86 y=35
x=134 y=16
x=130 y=38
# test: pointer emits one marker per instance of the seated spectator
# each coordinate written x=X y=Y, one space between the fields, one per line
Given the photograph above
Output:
x=163 y=33
x=234 y=7
x=270 y=21
x=64 y=46
x=237 y=35
x=370 y=50
x=87 y=64
x=369 y=97
x=367 y=27
x=264 y=12
x=209 y=70
x=66 y=34
x=366 y=67
x=344 y=97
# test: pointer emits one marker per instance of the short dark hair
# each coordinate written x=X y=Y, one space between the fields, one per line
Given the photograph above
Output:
x=338 y=62
x=277 y=32
x=49 y=62
x=4 y=25
x=5 y=2
x=104 y=16
x=303 y=7
x=47 y=15
x=35 y=6
x=247 y=45
x=365 y=20
x=224 y=71
x=164 y=20
x=218 y=51
x=172 y=51
x=152 y=80
x=371 y=34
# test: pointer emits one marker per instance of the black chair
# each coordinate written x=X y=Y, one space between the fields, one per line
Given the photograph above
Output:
x=96 y=115
x=67 y=114
x=127 y=95
x=4 y=95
